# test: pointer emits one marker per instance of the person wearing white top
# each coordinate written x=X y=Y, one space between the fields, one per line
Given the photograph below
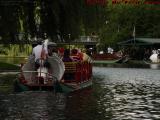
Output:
x=41 y=63
x=37 y=53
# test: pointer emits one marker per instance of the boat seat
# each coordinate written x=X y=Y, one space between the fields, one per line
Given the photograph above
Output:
x=70 y=67
x=70 y=71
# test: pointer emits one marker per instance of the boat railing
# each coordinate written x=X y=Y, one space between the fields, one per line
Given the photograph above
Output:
x=35 y=77
x=77 y=71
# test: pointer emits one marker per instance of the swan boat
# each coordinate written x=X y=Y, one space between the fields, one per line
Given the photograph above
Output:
x=61 y=76
x=153 y=59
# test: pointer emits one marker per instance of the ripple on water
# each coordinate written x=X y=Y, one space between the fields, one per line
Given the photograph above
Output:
x=129 y=93
x=29 y=106
x=117 y=93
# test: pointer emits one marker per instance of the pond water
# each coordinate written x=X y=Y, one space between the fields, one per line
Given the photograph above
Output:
x=117 y=93
x=13 y=60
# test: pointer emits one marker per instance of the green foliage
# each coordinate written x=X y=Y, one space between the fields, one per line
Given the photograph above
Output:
x=65 y=17
x=123 y=17
x=15 y=50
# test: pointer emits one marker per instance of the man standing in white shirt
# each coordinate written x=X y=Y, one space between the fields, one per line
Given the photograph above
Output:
x=40 y=53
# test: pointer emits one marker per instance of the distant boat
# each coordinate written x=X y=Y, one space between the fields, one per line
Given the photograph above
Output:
x=153 y=59
x=107 y=61
x=108 y=58
x=152 y=64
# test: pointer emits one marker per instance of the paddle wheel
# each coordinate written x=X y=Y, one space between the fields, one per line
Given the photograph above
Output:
x=41 y=79
x=68 y=76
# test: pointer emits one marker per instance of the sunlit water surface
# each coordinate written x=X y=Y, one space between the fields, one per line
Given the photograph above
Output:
x=129 y=93
x=116 y=94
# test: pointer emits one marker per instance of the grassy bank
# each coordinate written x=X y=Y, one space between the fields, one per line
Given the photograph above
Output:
x=7 y=66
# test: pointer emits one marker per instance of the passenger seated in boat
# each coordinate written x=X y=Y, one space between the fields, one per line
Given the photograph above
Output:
x=52 y=50
x=66 y=56
x=119 y=53
x=80 y=54
x=75 y=55
x=61 y=52
x=86 y=57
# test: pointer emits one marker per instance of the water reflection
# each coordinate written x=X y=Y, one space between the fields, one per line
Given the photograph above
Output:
x=117 y=93
x=124 y=65
x=155 y=66
x=13 y=60
x=128 y=101
x=81 y=106
x=31 y=106
x=129 y=93
x=139 y=64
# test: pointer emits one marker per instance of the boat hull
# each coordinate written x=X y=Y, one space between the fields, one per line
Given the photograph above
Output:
x=109 y=58
x=58 y=87
x=21 y=87
x=106 y=61
x=68 y=88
